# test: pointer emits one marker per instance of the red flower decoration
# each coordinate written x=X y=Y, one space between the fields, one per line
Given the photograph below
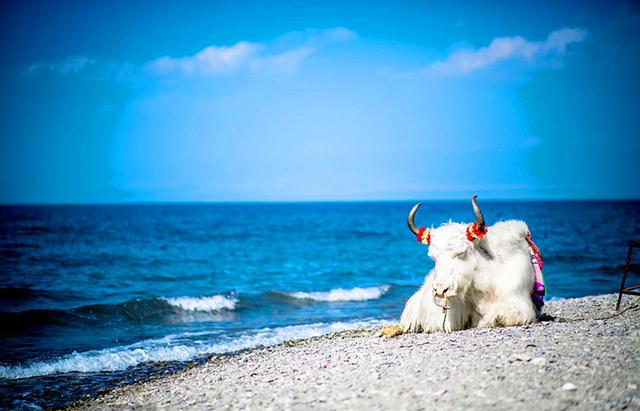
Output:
x=424 y=235
x=474 y=233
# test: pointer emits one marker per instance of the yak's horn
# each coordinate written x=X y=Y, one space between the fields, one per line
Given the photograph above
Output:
x=477 y=212
x=410 y=223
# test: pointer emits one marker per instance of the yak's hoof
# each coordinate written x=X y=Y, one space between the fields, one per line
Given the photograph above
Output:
x=390 y=331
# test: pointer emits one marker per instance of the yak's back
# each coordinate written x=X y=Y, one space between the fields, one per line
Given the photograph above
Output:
x=506 y=238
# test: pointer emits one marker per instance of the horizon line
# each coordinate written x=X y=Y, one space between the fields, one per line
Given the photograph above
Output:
x=248 y=202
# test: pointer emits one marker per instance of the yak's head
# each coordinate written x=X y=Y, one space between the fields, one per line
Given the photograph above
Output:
x=455 y=248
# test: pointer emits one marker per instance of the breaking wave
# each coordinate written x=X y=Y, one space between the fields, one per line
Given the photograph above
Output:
x=208 y=304
x=342 y=294
x=174 y=348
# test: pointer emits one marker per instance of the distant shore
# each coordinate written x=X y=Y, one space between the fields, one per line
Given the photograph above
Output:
x=582 y=355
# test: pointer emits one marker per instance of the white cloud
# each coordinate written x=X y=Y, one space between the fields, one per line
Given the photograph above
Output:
x=119 y=72
x=338 y=34
x=72 y=65
x=558 y=40
x=504 y=49
x=285 y=62
x=211 y=60
x=283 y=55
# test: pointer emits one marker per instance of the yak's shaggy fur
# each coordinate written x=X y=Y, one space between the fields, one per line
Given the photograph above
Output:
x=487 y=283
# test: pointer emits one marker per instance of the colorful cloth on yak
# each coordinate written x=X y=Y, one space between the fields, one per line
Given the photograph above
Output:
x=539 y=288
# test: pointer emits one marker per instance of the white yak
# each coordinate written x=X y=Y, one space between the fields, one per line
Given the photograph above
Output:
x=483 y=277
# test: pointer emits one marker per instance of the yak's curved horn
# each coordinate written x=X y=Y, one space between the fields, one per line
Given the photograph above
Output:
x=477 y=212
x=410 y=223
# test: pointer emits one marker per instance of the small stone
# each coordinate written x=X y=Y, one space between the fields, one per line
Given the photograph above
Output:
x=539 y=361
x=632 y=386
x=521 y=357
x=569 y=387
x=441 y=392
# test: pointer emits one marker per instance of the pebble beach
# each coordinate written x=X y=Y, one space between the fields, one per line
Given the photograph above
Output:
x=582 y=355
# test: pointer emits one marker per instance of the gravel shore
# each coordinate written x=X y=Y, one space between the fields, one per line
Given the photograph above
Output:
x=580 y=356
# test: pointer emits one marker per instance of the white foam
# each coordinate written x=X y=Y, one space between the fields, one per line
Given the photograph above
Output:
x=162 y=350
x=208 y=304
x=341 y=294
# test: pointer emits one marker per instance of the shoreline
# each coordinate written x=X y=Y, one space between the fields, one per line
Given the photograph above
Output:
x=580 y=355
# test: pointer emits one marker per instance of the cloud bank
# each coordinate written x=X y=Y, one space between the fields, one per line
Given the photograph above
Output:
x=72 y=65
x=284 y=55
x=508 y=49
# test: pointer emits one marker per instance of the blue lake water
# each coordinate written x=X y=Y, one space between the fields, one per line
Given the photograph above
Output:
x=91 y=296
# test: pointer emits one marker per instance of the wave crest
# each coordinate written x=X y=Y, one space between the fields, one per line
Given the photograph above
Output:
x=342 y=294
x=207 y=304
x=170 y=348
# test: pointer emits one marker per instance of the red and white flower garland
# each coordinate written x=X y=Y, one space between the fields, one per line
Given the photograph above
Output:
x=424 y=235
x=473 y=233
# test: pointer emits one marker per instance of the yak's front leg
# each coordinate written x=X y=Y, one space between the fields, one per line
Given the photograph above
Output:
x=411 y=319
x=420 y=314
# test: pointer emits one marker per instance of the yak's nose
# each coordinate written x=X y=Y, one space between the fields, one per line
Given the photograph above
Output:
x=440 y=290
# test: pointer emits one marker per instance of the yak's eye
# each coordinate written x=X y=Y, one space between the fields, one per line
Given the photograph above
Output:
x=459 y=254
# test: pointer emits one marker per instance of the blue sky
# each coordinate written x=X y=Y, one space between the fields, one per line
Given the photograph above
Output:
x=287 y=101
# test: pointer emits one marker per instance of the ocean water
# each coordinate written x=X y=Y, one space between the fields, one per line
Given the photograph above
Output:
x=93 y=296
